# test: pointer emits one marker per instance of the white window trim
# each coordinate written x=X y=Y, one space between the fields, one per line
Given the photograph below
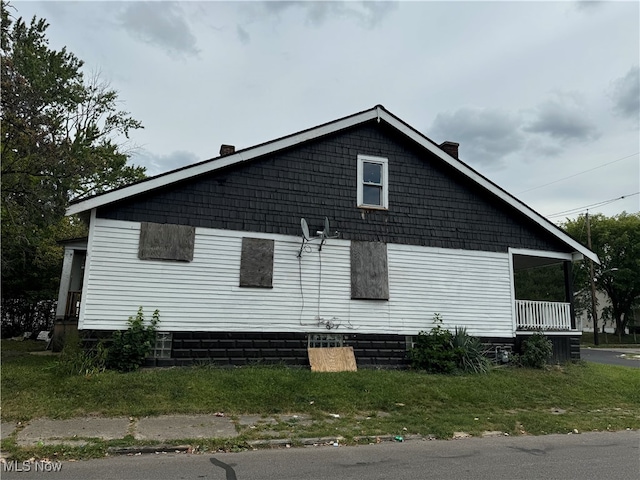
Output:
x=385 y=181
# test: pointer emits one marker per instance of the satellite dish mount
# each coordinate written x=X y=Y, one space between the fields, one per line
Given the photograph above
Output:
x=305 y=234
x=322 y=234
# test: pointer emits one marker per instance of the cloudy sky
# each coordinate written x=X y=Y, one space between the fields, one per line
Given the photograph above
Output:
x=543 y=97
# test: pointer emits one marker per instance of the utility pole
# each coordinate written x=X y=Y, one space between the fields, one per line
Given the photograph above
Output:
x=594 y=314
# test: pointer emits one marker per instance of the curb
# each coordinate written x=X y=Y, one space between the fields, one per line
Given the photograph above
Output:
x=148 y=449
x=274 y=442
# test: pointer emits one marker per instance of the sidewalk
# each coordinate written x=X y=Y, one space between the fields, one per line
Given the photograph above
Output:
x=171 y=429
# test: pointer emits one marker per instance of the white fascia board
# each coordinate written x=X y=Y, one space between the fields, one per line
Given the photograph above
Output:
x=541 y=253
x=222 y=162
x=492 y=187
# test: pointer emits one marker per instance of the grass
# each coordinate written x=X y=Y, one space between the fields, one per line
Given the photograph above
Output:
x=580 y=396
x=610 y=340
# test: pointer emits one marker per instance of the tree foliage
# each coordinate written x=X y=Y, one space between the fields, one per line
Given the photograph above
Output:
x=544 y=283
x=59 y=142
x=616 y=240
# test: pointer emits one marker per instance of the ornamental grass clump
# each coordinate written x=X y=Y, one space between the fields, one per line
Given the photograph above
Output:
x=443 y=351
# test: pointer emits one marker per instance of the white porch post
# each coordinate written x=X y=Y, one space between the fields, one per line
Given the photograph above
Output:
x=65 y=282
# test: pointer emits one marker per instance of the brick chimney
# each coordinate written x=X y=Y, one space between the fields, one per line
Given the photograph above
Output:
x=451 y=148
x=227 y=150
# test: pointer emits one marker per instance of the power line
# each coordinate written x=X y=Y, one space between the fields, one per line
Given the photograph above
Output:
x=586 y=207
x=579 y=173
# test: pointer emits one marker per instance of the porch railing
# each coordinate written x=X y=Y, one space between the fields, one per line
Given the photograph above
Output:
x=532 y=315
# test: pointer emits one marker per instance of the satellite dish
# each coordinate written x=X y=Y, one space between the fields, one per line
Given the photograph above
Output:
x=305 y=228
x=326 y=227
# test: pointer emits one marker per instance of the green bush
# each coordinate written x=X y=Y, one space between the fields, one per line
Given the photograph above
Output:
x=130 y=347
x=536 y=351
x=441 y=351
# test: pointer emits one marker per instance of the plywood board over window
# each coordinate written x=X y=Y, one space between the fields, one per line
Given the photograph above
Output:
x=256 y=263
x=160 y=241
x=369 y=271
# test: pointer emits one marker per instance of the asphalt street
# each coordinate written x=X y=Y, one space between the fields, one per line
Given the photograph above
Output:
x=618 y=356
x=590 y=456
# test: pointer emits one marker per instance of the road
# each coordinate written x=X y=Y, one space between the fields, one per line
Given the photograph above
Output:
x=587 y=456
x=620 y=356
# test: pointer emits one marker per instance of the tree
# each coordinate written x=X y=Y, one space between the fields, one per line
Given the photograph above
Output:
x=59 y=142
x=616 y=240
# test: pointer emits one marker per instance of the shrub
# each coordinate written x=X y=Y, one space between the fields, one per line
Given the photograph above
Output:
x=441 y=351
x=130 y=347
x=536 y=351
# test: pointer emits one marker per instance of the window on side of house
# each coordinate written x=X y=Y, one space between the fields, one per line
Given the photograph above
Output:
x=161 y=241
x=372 y=182
x=325 y=340
x=163 y=345
x=256 y=263
x=369 y=271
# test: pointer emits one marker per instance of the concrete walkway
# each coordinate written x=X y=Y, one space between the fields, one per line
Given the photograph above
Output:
x=80 y=431
x=171 y=429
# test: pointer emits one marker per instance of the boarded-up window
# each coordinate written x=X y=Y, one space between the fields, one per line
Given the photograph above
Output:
x=256 y=263
x=369 y=272
x=166 y=242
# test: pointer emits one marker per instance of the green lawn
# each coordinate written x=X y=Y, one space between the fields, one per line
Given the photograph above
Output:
x=516 y=401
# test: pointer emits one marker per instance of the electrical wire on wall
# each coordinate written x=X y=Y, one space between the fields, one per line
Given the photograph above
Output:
x=329 y=324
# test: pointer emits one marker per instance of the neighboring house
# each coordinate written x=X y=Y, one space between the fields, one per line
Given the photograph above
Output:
x=603 y=302
x=584 y=321
x=218 y=248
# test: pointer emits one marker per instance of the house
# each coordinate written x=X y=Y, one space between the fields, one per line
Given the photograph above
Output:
x=221 y=249
x=584 y=320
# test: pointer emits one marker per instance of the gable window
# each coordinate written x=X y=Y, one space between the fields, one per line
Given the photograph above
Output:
x=372 y=182
x=166 y=242
x=256 y=263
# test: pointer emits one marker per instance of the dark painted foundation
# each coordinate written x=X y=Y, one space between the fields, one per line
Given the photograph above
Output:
x=566 y=348
x=282 y=348
x=385 y=351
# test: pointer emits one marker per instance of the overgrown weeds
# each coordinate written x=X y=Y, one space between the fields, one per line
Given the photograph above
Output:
x=76 y=360
x=128 y=349
x=536 y=352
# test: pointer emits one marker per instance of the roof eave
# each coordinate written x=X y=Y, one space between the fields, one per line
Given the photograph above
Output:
x=380 y=114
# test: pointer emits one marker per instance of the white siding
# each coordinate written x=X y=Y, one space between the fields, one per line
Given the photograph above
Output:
x=467 y=288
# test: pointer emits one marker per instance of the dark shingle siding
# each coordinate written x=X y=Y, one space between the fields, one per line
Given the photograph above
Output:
x=429 y=203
